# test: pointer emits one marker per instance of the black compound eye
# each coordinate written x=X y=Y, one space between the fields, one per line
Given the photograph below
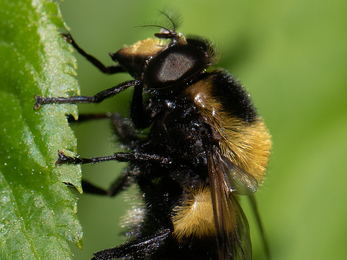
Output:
x=174 y=66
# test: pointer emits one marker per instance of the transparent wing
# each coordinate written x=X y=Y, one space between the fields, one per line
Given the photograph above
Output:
x=237 y=180
x=232 y=230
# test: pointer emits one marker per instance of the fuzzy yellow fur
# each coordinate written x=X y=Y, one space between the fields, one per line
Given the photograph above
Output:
x=247 y=144
x=194 y=218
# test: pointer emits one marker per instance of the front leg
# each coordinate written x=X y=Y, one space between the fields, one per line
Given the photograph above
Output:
x=107 y=70
x=137 y=157
x=97 y=98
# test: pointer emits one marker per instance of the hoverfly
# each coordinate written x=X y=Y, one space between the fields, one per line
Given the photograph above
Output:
x=206 y=146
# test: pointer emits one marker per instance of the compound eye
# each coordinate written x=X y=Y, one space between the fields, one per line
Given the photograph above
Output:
x=174 y=66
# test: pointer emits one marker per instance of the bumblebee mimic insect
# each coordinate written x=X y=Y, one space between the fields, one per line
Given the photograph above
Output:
x=206 y=146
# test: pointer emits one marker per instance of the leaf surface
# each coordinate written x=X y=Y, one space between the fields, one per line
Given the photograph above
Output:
x=37 y=210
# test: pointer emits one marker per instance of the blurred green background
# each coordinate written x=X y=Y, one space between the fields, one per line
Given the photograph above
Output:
x=292 y=57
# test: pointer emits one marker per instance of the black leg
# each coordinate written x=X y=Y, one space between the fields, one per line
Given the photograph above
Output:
x=88 y=117
x=108 y=70
x=137 y=247
x=97 y=98
x=136 y=109
x=123 y=127
x=125 y=131
x=120 y=157
x=90 y=188
x=119 y=185
x=259 y=223
x=140 y=117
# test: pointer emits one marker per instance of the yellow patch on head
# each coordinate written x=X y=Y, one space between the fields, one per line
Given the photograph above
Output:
x=145 y=47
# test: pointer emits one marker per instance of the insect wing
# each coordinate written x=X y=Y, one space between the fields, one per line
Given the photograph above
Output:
x=238 y=181
x=232 y=230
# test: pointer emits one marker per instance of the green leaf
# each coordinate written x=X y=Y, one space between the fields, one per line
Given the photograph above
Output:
x=37 y=210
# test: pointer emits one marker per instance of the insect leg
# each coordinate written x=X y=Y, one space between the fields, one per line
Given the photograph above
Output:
x=136 y=247
x=119 y=185
x=120 y=157
x=97 y=98
x=88 y=117
x=255 y=210
x=125 y=131
x=107 y=70
x=136 y=110
x=141 y=117
x=123 y=127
